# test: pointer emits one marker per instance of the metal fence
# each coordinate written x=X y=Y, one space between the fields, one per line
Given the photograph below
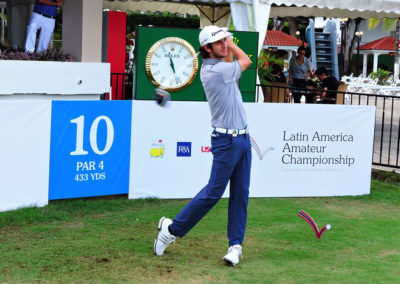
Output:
x=387 y=131
x=118 y=86
x=387 y=122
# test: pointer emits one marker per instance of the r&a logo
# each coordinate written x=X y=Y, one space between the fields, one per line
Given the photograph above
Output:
x=184 y=149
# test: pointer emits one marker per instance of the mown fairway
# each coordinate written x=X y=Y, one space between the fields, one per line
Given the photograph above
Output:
x=110 y=241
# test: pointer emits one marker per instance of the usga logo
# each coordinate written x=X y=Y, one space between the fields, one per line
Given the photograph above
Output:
x=157 y=149
x=205 y=149
x=184 y=149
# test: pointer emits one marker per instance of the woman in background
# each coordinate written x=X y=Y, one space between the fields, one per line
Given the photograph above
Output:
x=300 y=67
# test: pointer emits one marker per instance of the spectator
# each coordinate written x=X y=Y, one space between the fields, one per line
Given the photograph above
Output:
x=299 y=67
x=328 y=83
x=277 y=72
x=43 y=18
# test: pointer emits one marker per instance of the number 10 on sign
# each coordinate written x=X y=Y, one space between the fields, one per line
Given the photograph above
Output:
x=80 y=124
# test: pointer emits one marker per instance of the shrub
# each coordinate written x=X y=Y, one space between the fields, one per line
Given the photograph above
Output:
x=265 y=64
x=47 y=55
x=381 y=75
x=161 y=20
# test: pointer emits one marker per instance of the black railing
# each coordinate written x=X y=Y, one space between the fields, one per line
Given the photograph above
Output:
x=281 y=93
x=118 y=86
x=386 y=150
x=121 y=85
x=387 y=122
x=387 y=130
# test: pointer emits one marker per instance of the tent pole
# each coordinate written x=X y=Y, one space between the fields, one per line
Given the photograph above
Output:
x=201 y=11
x=396 y=52
x=220 y=17
x=213 y=15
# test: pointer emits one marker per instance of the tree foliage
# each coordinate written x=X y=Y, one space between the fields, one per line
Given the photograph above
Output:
x=387 y=24
x=265 y=63
x=165 y=19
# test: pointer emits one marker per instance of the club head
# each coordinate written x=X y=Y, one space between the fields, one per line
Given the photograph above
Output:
x=161 y=97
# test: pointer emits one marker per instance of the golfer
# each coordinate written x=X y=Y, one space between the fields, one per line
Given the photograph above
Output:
x=230 y=145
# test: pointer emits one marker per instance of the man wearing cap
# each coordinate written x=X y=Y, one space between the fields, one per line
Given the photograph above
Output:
x=230 y=145
x=43 y=18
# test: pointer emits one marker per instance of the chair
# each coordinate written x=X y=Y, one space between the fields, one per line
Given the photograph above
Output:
x=395 y=83
x=390 y=81
x=275 y=93
x=340 y=97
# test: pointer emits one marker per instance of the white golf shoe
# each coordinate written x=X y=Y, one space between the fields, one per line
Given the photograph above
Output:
x=164 y=237
x=233 y=255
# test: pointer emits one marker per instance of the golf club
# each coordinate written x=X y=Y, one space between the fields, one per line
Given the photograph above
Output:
x=160 y=94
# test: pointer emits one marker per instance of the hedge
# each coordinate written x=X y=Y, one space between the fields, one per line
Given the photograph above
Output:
x=160 y=20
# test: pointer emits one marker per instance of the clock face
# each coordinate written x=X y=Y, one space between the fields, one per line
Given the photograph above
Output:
x=171 y=64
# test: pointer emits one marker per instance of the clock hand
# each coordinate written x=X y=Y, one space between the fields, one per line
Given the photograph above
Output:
x=171 y=63
x=180 y=70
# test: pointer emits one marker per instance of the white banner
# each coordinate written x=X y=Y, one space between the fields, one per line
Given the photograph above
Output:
x=298 y=150
x=24 y=152
x=62 y=78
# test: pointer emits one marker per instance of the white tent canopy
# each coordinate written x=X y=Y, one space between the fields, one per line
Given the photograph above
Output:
x=152 y=7
x=335 y=8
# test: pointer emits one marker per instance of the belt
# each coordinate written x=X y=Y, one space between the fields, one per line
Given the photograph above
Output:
x=50 y=17
x=233 y=132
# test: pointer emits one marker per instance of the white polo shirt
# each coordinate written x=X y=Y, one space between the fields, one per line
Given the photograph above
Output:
x=219 y=79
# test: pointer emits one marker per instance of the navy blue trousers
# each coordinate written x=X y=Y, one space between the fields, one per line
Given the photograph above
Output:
x=231 y=162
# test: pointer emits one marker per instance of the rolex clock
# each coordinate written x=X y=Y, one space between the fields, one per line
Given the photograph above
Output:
x=171 y=64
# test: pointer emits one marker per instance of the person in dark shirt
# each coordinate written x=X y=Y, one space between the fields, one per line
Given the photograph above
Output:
x=329 y=83
x=277 y=72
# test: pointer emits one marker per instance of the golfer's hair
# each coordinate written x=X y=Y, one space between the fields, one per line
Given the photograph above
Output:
x=203 y=52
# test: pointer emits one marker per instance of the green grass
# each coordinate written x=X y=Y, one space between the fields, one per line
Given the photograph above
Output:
x=110 y=241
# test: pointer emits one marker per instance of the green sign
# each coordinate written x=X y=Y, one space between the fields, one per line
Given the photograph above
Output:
x=146 y=37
